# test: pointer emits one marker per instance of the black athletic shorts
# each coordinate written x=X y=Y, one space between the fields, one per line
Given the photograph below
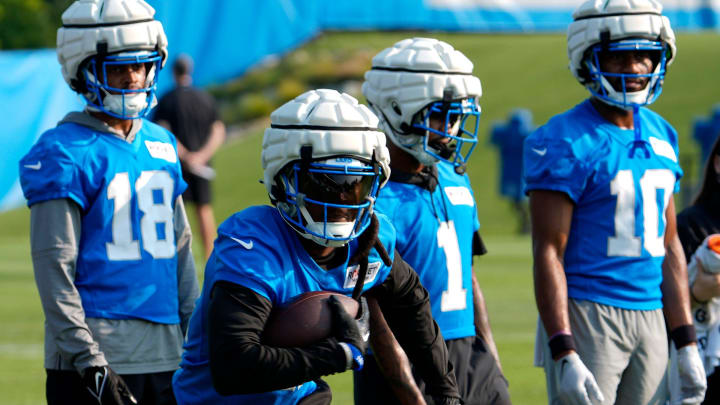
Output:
x=478 y=376
x=64 y=387
x=198 y=190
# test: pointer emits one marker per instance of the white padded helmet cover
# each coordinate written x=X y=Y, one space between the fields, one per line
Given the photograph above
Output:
x=421 y=70
x=322 y=108
x=622 y=19
x=121 y=24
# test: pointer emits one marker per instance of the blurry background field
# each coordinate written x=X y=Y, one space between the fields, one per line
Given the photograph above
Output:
x=526 y=71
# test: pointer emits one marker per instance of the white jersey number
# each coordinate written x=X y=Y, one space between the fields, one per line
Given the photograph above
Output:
x=453 y=299
x=155 y=216
x=625 y=243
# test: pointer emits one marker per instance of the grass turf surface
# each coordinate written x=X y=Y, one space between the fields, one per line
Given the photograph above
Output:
x=516 y=71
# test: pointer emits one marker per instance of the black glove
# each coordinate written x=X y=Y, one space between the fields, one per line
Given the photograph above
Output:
x=106 y=387
x=347 y=331
x=344 y=327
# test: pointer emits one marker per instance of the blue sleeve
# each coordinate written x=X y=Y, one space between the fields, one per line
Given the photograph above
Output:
x=49 y=171
x=552 y=163
x=476 y=221
x=253 y=268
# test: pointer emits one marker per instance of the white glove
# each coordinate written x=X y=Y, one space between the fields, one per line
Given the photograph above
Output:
x=575 y=383
x=693 y=382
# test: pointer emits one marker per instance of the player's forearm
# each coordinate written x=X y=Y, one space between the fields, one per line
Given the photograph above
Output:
x=391 y=359
x=551 y=295
x=215 y=140
x=54 y=240
x=676 y=299
x=188 y=289
x=241 y=364
x=406 y=306
x=482 y=320
x=551 y=214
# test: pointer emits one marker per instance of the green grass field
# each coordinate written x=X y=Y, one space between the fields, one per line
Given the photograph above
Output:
x=516 y=71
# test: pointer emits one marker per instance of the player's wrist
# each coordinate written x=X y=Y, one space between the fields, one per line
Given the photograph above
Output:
x=353 y=355
x=561 y=344
x=683 y=335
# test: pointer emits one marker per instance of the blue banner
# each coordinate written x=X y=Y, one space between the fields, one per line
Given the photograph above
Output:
x=33 y=98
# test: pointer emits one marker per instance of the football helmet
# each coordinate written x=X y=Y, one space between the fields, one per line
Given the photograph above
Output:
x=420 y=80
x=324 y=161
x=98 y=35
x=601 y=26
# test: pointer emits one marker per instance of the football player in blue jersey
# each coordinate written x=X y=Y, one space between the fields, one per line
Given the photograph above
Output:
x=324 y=161
x=610 y=274
x=110 y=241
x=426 y=97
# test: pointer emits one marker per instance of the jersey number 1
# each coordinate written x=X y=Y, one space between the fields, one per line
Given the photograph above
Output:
x=453 y=299
x=624 y=242
x=123 y=246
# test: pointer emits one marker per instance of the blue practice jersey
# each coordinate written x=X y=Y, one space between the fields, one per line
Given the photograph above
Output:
x=616 y=245
x=435 y=235
x=256 y=249
x=127 y=263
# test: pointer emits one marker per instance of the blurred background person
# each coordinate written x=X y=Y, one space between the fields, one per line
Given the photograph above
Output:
x=696 y=223
x=706 y=130
x=190 y=113
x=508 y=138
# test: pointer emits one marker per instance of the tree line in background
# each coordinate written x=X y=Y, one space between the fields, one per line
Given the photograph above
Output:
x=30 y=24
x=279 y=79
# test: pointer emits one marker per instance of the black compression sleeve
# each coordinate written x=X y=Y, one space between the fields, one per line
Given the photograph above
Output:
x=241 y=364
x=406 y=306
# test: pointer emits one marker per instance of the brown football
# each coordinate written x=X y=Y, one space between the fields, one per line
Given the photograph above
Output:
x=305 y=320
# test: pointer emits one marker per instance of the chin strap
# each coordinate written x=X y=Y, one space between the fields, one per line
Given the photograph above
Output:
x=638 y=142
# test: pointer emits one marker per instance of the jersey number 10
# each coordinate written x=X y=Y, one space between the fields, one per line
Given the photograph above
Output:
x=624 y=242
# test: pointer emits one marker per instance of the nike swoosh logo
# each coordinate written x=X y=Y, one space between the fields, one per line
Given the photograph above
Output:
x=246 y=245
x=36 y=166
x=540 y=152
x=562 y=366
x=98 y=376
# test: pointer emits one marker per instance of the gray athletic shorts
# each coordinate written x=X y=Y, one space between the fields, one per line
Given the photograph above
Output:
x=626 y=350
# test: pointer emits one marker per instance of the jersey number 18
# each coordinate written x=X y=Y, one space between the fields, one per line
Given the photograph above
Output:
x=154 y=213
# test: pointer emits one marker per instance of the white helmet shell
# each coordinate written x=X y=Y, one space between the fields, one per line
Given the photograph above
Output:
x=332 y=123
x=621 y=19
x=410 y=75
x=110 y=26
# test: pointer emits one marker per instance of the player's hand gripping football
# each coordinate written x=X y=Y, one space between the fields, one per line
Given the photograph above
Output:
x=575 y=383
x=106 y=387
x=353 y=332
x=693 y=382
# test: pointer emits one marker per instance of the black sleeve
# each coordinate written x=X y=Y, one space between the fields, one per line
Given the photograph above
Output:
x=694 y=224
x=687 y=236
x=406 y=306
x=478 y=246
x=241 y=364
